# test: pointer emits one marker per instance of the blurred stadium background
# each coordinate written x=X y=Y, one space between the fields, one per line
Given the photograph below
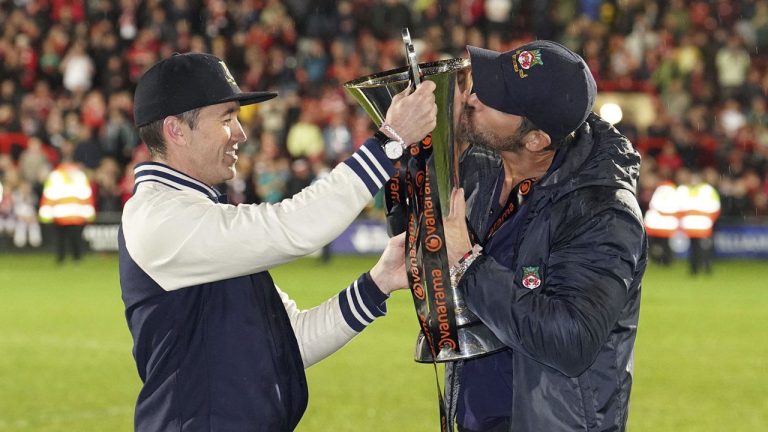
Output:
x=685 y=80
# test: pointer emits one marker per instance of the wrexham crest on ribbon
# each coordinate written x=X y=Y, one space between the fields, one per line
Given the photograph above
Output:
x=531 y=278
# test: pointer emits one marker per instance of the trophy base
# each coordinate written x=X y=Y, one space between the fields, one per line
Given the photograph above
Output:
x=475 y=339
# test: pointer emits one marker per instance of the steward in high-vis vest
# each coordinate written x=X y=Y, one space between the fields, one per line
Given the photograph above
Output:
x=661 y=221
x=699 y=209
x=68 y=203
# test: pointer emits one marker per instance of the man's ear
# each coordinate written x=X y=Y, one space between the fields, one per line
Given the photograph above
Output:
x=537 y=140
x=173 y=131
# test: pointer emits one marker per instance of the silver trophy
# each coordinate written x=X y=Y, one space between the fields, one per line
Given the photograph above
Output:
x=374 y=93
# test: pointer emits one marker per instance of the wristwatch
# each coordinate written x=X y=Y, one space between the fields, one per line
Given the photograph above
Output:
x=392 y=148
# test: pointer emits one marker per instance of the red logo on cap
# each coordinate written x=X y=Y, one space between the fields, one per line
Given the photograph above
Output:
x=527 y=59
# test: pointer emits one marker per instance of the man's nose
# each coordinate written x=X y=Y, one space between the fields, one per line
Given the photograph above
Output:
x=472 y=100
x=239 y=134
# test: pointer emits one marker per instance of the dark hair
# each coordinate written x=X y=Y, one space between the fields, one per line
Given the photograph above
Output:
x=152 y=133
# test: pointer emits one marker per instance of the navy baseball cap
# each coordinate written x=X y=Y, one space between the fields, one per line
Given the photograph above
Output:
x=184 y=82
x=544 y=81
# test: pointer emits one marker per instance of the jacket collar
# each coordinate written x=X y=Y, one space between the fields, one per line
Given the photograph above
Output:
x=598 y=156
x=160 y=173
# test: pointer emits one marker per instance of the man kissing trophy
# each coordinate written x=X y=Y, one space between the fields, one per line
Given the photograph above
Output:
x=417 y=199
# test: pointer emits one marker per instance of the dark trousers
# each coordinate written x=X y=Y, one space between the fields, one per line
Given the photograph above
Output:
x=700 y=256
x=68 y=237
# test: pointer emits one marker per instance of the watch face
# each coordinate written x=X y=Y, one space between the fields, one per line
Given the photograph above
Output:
x=393 y=149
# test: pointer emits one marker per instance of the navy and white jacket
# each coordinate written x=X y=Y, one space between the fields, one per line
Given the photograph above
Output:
x=217 y=345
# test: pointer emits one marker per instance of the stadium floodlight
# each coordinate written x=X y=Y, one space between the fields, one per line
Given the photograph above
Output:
x=611 y=112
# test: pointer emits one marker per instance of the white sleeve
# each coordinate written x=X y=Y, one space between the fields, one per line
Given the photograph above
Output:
x=324 y=329
x=182 y=239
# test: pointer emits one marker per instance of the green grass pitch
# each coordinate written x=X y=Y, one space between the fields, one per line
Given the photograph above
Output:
x=701 y=361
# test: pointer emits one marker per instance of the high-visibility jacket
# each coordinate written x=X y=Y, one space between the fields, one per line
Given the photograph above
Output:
x=67 y=197
x=661 y=218
x=699 y=209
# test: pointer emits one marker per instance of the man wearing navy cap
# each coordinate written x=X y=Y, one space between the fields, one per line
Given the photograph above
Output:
x=217 y=345
x=563 y=247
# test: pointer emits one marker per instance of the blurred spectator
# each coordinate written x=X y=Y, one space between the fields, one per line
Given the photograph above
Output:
x=27 y=229
x=734 y=199
x=108 y=194
x=668 y=159
x=87 y=148
x=9 y=179
x=272 y=170
x=70 y=66
x=388 y=17
x=241 y=189
x=731 y=117
x=9 y=93
x=68 y=204
x=77 y=69
x=732 y=65
x=699 y=208
x=305 y=138
x=120 y=137
x=301 y=177
x=34 y=165
x=760 y=25
x=661 y=222
x=337 y=138
x=676 y=99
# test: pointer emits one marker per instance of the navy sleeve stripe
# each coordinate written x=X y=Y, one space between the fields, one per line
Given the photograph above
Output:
x=375 y=154
x=361 y=303
x=355 y=165
x=371 y=165
x=367 y=168
x=371 y=295
x=383 y=174
x=346 y=312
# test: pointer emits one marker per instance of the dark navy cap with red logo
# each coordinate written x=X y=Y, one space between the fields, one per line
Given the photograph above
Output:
x=184 y=82
x=544 y=81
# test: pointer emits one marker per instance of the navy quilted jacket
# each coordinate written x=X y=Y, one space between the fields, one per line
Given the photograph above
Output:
x=571 y=336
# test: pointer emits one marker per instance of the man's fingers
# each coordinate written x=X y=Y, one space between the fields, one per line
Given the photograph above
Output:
x=458 y=205
x=399 y=96
x=426 y=86
x=398 y=241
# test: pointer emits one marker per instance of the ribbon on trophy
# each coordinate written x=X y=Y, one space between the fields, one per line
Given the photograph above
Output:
x=416 y=200
x=427 y=262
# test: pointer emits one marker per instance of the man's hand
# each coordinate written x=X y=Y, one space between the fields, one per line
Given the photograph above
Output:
x=455 y=227
x=414 y=115
x=389 y=273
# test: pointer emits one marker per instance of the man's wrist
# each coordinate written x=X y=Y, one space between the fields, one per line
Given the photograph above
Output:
x=379 y=280
x=389 y=131
x=390 y=141
x=458 y=270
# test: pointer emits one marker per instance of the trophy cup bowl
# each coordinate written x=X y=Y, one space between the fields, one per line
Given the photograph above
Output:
x=374 y=93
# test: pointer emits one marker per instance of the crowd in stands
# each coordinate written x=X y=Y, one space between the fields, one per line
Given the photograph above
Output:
x=69 y=68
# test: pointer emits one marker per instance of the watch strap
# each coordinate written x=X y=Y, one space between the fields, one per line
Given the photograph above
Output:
x=381 y=137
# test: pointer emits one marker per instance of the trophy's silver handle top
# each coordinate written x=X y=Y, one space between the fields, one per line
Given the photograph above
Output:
x=410 y=55
x=406 y=36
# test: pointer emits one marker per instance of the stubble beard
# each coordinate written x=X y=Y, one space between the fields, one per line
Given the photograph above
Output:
x=488 y=139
